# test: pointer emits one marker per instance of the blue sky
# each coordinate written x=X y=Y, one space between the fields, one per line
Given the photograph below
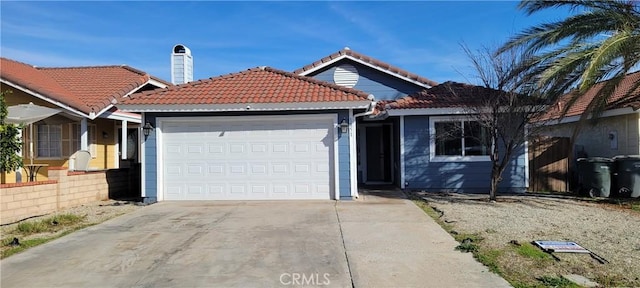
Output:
x=225 y=37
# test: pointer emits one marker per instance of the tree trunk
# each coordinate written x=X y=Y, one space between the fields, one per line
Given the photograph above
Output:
x=495 y=179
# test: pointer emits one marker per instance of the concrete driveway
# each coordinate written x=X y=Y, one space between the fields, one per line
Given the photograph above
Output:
x=378 y=241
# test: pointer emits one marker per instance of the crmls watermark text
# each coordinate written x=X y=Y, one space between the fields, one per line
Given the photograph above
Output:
x=308 y=279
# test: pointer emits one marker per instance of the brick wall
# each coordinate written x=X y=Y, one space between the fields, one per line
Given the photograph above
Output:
x=64 y=189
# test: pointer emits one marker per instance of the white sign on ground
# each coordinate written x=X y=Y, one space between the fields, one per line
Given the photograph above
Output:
x=561 y=246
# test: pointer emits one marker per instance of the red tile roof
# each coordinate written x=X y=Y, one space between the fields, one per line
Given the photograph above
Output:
x=31 y=78
x=364 y=58
x=621 y=98
x=87 y=89
x=445 y=95
x=256 y=85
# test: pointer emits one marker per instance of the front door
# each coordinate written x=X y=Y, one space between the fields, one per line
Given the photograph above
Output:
x=377 y=158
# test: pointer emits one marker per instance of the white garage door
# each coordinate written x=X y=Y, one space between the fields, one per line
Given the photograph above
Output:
x=247 y=158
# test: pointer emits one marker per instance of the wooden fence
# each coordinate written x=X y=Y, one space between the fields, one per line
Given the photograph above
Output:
x=549 y=164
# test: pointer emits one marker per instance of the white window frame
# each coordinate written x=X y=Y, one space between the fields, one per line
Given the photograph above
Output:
x=36 y=137
x=91 y=132
x=450 y=158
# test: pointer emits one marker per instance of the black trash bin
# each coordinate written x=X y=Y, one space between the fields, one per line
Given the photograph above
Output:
x=627 y=176
x=594 y=176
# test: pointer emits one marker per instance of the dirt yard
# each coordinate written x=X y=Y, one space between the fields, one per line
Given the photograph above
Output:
x=612 y=231
x=37 y=230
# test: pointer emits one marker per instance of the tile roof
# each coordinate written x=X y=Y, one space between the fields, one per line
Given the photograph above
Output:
x=87 y=89
x=256 y=85
x=621 y=98
x=364 y=58
x=31 y=78
x=446 y=95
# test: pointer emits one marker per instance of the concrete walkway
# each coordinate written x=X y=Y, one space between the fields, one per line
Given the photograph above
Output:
x=390 y=242
x=378 y=241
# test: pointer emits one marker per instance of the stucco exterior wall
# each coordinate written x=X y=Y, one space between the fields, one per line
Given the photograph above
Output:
x=595 y=138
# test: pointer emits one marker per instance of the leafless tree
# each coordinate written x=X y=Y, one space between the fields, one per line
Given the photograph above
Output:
x=502 y=106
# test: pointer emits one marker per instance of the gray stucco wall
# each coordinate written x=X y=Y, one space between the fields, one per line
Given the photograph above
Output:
x=474 y=177
x=595 y=138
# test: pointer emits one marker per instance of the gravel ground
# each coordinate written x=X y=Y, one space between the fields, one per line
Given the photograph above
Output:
x=609 y=231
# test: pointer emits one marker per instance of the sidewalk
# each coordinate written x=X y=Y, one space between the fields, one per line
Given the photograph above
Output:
x=390 y=242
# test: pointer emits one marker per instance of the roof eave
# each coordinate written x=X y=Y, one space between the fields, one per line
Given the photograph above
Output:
x=576 y=118
x=429 y=111
x=111 y=105
x=246 y=107
x=74 y=111
x=334 y=60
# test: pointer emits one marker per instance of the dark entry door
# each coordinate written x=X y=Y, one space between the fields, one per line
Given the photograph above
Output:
x=378 y=143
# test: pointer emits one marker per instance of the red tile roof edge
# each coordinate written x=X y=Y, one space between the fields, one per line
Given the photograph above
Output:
x=578 y=108
x=441 y=96
x=370 y=60
x=124 y=66
x=260 y=68
x=115 y=97
x=58 y=92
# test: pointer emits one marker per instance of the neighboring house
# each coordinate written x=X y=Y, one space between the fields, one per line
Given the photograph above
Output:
x=398 y=145
x=257 y=134
x=269 y=134
x=615 y=132
x=88 y=119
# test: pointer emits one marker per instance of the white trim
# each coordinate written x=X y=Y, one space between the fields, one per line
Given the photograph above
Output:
x=116 y=163
x=155 y=83
x=608 y=113
x=45 y=98
x=430 y=111
x=143 y=168
x=246 y=107
x=84 y=135
x=330 y=62
x=124 y=141
x=120 y=116
x=159 y=156
x=402 y=168
x=161 y=121
x=113 y=101
x=432 y=142
x=105 y=109
x=336 y=164
x=353 y=161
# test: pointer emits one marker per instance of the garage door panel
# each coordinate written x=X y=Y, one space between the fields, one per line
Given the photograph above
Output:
x=280 y=168
x=195 y=170
x=280 y=148
x=195 y=190
x=216 y=170
x=238 y=190
x=248 y=159
x=259 y=169
x=237 y=170
x=173 y=190
x=216 y=191
x=216 y=148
